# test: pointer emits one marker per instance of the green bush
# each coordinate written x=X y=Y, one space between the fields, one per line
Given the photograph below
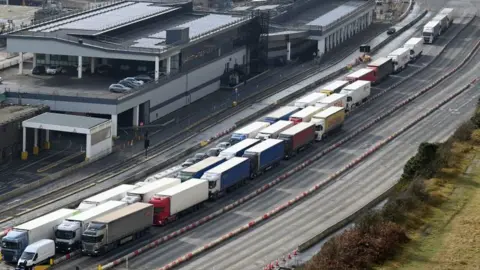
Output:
x=464 y=131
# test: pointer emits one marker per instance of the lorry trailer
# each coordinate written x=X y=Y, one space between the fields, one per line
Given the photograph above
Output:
x=431 y=31
x=382 y=68
x=333 y=87
x=249 y=131
x=146 y=192
x=238 y=149
x=339 y=100
x=357 y=93
x=444 y=23
x=328 y=121
x=415 y=45
x=304 y=115
x=449 y=12
x=117 y=228
x=68 y=235
x=282 y=113
x=16 y=240
x=271 y=132
x=228 y=175
x=297 y=138
x=265 y=156
x=197 y=169
x=179 y=200
x=400 y=58
x=114 y=194
x=309 y=100
x=361 y=74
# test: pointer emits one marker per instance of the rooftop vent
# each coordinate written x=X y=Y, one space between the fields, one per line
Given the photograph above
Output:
x=178 y=35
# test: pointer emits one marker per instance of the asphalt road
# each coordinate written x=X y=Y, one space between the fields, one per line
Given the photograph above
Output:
x=287 y=190
x=357 y=119
x=348 y=193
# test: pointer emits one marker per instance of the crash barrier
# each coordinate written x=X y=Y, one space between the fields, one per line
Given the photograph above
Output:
x=318 y=186
x=411 y=3
x=281 y=178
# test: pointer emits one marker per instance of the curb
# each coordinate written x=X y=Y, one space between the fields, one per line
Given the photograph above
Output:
x=287 y=174
x=271 y=106
x=316 y=187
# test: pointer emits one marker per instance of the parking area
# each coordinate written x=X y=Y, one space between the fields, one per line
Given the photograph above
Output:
x=62 y=84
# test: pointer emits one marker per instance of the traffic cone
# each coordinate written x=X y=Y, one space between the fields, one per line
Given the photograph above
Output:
x=295 y=253
x=289 y=256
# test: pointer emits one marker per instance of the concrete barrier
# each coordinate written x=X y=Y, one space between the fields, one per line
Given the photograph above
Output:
x=316 y=187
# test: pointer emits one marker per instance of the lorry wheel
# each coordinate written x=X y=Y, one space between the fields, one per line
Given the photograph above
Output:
x=253 y=175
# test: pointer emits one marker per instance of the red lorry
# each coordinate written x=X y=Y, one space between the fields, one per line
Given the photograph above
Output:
x=364 y=74
x=382 y=68
x=297 y=138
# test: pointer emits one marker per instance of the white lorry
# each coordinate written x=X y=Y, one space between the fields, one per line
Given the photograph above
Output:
x=238 y=149
x=431 y=31
x=249 y=131
x=449 y=12
x=415 y=45
x=309 y=100
x=114 y=194
x=339 y=100
x=328 y=121
x=333 y=87
x=400 y=58
x=146 y=192
x=37 y=253
x=271 y=132
x=304 y=115
x=357 y=93
x=15 y=242
x=69 y=233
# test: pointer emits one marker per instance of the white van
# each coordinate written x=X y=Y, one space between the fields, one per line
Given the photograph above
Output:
x=37 y=253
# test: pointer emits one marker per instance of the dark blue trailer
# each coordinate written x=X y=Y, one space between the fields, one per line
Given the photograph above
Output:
x=282 y=113
x=230 y=174
x=265 y=155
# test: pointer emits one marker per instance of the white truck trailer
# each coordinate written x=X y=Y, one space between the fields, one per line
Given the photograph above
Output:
x=173 y=202
x=114 y=194
x=271 y=132
x=69 y=233
x=400 y=58
x=15 y=242
x=309 y=100
x=431 y=31
x=249 y=131
x=415 y=45
x=146 y=192
x=450 y=13
x=357 y=93
x=117 y=228
x=304 y=115
x=339 y=100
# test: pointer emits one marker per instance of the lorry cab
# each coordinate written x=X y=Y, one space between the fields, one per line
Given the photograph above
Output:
x=93 y=238
x=13 y=245
x=36 y=253
x=328 y=120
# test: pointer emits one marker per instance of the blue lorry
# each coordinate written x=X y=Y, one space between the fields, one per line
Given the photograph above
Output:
x=228 y=175
x=265 y=156
x=282 y=113
x=198 y=169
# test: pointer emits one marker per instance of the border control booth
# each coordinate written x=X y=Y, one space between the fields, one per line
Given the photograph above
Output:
x=98 y=132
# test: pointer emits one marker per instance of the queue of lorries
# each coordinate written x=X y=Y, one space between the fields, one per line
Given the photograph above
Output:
x=123 y=213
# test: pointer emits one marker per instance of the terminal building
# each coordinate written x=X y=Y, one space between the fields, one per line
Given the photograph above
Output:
x=188 y=54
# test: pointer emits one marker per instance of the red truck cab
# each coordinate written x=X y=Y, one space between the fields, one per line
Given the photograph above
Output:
x=161 y=210
x=295 y=120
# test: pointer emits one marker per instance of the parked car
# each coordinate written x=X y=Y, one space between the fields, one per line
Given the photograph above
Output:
x=213 y=152
x=39 y=70
x=104 y=69
x=119 y=88
x=132 y=79
x=223 y=145
x=189 y=162
x=129 y=84
x=391 y=31
x=53 y=70
x=144 y=78
x=199 y=157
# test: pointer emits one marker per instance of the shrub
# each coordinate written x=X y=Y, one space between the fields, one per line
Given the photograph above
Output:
x=476 y=136
x=464 y=131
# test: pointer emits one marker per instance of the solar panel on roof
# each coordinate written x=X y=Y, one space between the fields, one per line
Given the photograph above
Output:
x=202 y=25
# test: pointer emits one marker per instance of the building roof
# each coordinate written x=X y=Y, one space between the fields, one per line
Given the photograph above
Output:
x=335 y=14
x=266 y=7
x=16 y=112
x=63 y=122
